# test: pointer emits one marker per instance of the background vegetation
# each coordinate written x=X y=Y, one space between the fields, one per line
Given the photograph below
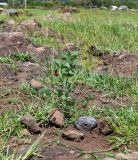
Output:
x=84 y=3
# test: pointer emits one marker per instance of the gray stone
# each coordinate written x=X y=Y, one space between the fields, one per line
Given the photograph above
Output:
x=86 y=123
x=11 y=12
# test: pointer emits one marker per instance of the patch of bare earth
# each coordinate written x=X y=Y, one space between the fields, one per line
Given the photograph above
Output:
x=117 y=64
x=88 y=96
x=15 y=42
x=67 y=150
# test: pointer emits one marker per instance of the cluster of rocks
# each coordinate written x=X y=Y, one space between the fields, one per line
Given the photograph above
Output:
x=56 y=118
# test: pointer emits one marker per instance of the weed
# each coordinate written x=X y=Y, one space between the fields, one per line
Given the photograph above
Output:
x=9 y=61
x=65 y=68
x=32 y=150
x=6 y=60
x=14 y=100
x=4 y=92
x=22 y=57
x=26 y=88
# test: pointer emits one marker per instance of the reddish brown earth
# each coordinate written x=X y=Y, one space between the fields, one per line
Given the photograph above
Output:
x=82 y=92
x=65 y=150
x=119 y=63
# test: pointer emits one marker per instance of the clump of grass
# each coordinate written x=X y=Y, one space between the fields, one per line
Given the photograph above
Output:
x=6 y=60
x=23 y=57
x=113 y=86
x=32 y=151
x=14 y=100
x=26 y=88
x=96 y=27
x=9 y=61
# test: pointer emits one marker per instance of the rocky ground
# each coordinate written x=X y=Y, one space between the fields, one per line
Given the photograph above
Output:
x=22 y=62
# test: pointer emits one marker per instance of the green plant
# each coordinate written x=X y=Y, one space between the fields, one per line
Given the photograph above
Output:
x=14 y=100
x=22 y=57
x=25 y=87
x=9 y=61
x=64 y=69
x=6 y=60
x=85 y=101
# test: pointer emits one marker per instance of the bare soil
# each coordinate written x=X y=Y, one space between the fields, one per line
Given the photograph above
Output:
x=83 y=93
x=66 y=150
x=119 y=63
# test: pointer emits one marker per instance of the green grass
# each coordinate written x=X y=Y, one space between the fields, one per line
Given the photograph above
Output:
x=111 y=85
x=104 y=29
x=107 y=30
x=10 y=61
x=124 y=122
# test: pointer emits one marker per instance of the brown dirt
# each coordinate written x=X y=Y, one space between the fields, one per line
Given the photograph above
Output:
x=122 y=64
x=11 y=42
x=92 y=141
x=67 y=150
x=6 y=71
x=32 y=27
x=11 y=107
x=15 y=42
x=116 y=64
x=14 y=78
x=82 y=92
x=55 y=152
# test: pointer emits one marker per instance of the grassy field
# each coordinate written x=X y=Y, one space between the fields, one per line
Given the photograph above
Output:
x=112 y=31
x=107 y=30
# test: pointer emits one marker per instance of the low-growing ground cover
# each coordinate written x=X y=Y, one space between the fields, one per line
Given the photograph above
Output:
x=87 y=64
